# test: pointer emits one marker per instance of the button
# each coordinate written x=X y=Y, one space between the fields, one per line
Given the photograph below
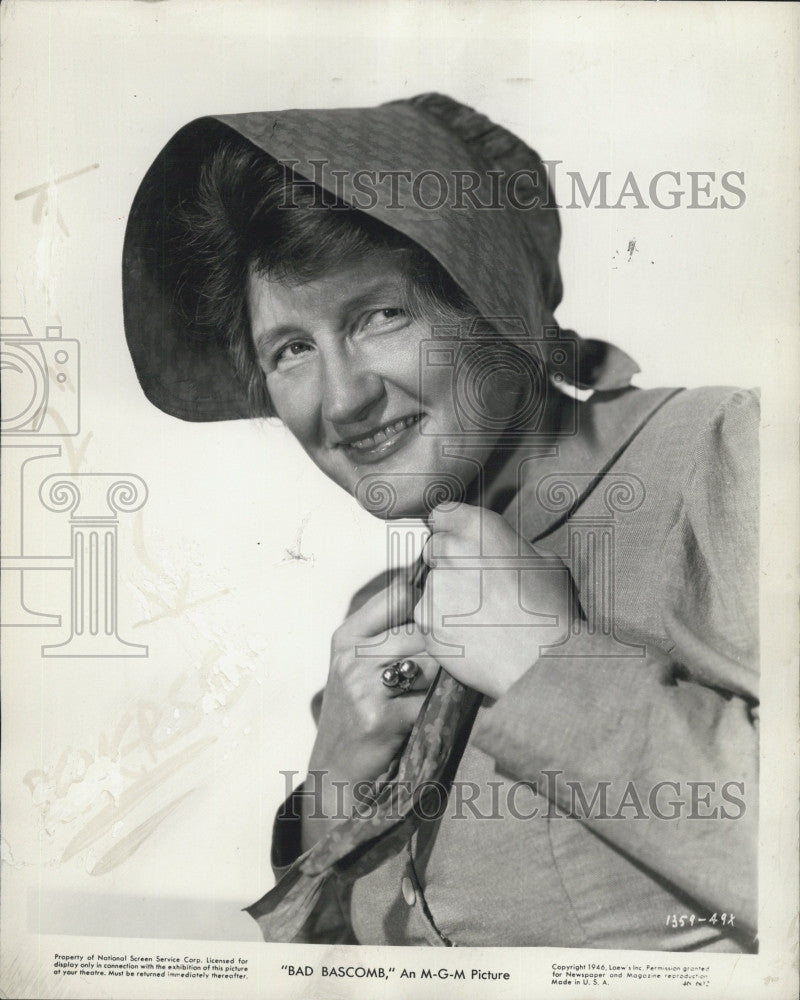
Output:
x=409 y=895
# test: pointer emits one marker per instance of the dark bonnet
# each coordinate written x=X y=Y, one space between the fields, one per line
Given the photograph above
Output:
x=505 y=259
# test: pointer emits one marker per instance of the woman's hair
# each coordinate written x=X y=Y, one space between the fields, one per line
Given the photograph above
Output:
x=247 y=213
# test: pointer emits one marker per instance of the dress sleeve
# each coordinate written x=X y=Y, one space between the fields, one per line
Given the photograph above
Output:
x=329 y=923
x=673 y=735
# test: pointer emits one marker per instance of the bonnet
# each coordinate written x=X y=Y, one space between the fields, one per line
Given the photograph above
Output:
x=420 y=157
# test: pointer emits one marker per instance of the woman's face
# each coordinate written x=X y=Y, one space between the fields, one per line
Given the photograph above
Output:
x=365 y=391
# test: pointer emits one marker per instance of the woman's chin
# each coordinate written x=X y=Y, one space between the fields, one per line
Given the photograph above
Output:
x=398 y=511
x=391 y=497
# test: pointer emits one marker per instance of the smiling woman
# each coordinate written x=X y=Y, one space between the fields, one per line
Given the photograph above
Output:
x=514 y=727
x=327 y=312
x=241 y=225
x=341 y=362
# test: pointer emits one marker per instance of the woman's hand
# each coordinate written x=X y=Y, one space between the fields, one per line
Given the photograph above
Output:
x=492 y=595
x=363 y=723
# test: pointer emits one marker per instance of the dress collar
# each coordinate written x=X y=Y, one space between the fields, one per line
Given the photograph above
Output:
x=604 y=426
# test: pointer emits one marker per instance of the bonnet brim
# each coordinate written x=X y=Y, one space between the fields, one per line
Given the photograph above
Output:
x=506 y=260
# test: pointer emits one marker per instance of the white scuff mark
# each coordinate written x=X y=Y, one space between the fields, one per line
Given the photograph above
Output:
x=225 y=675
x=171 y=591
x=204 y=626
x=86 y=786
x=19 y=282
x=6 y=857
x=50 y=244
x=257 y=643
x=81 y=781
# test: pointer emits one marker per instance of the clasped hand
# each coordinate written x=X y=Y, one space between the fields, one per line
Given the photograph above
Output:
x=491 y=601
x=488 y=604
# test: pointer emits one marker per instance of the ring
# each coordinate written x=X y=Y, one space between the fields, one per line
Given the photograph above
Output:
x=401 y=674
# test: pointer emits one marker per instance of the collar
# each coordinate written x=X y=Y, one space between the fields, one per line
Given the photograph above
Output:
x=604 y=426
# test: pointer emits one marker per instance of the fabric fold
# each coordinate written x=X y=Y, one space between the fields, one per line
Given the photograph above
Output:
x=402 y=800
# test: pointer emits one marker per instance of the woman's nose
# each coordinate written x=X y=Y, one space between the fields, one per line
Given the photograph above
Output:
x=349 y=390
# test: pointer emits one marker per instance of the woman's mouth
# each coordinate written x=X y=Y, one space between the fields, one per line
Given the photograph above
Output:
x=382 y=441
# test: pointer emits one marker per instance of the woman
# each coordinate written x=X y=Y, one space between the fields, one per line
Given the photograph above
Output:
x=544 y=732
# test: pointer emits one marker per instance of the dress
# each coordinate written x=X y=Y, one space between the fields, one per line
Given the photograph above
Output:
x=658 y=714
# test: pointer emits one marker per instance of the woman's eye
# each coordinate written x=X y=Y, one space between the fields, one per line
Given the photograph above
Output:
x=390 y=318
x=289 y=354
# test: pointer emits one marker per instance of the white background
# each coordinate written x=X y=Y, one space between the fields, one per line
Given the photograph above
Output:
x=709 y=296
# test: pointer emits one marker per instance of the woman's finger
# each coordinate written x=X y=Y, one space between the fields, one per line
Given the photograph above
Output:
x=391 y=645
x=387 y=609
x=407 y=709
x=411 y=673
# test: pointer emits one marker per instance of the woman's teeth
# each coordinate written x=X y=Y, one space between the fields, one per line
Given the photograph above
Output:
x=386 y=432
